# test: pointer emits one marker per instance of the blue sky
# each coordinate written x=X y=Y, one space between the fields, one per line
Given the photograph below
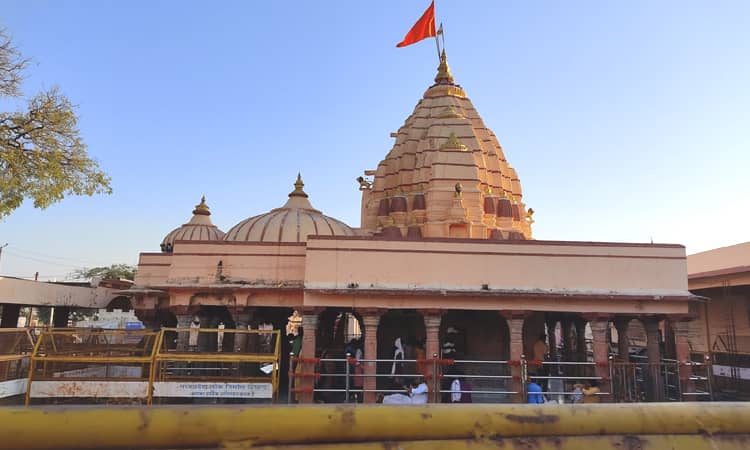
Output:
x=626 y=121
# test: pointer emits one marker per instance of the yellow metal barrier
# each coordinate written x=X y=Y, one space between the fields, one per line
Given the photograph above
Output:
x=233 y=368
x=92 y=363
x=613 y=426
x=15 y=351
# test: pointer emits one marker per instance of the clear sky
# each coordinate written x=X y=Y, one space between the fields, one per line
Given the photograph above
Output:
x=627 y=121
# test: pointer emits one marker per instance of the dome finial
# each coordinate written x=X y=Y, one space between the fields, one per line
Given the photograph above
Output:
x=202 y=208
x=298 y=185
x=444 y=71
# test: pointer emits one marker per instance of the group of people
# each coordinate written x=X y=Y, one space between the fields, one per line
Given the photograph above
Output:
x=581 y=393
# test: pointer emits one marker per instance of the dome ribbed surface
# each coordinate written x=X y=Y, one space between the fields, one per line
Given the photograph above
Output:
x=293 y=222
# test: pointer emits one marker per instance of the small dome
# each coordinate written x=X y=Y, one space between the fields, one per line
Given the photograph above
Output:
x=199 y=228
x=293 y=222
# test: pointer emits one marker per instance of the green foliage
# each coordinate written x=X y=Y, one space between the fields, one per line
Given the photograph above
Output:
x=115 y=271
x=42 y=155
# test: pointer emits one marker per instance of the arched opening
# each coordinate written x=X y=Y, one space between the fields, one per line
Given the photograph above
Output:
x=339 y=332
x=121 y=302
x=278 y=319
x=212 y=316
x=406 y=326
x=475 y=336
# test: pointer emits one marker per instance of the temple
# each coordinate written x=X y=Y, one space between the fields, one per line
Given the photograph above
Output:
x=444 y=259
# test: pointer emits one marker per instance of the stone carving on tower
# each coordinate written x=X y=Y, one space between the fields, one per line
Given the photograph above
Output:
x=442 y=145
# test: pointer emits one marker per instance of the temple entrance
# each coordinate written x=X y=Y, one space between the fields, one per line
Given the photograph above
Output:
x=339 y=332
x=215 y=317
x=277 y=319
x=401 y=335
x=469 y=337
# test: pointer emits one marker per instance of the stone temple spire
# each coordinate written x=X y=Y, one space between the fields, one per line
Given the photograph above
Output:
x=445 y=143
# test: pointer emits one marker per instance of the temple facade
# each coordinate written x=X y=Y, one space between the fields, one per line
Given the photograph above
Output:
x=444 y=257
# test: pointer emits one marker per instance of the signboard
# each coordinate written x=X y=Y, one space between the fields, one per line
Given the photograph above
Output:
x=212 y=390
x=112 y=389
x=10 y=388
x=742 y=373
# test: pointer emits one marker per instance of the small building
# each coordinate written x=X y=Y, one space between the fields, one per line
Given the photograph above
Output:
x=723 y=276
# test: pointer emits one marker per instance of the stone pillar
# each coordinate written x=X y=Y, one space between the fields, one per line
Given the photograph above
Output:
x=370 y=321
x=565 y=325
x=655 y=383
x=515 y=325
x=680 y=327
x=183 y=322
x=599 y=327
x=580 y=325
x=10 y=313
x=310 y=327
x=432 y=319
x=61 y=315
x=623 y=344
x=552 y=338
x=241 y=319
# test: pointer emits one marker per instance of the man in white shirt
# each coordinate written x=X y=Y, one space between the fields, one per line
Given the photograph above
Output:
x=419 y=392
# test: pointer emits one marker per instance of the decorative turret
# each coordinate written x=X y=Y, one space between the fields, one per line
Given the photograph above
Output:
x=198 y=228
x=445 y=143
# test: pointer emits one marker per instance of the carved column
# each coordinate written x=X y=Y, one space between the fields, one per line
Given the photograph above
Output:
x=310 y=330
x=680 y=327
x=432 y=319
x=623 y=343
x=515 y=325
x=599 y=327
x=552 y=338
x=241 y=319
x=370 y=321
x=183 y=321
x=580 y=325
x=653 y=335
x=567 y=352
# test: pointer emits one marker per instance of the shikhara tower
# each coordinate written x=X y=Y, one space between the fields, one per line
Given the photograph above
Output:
x=446 y=175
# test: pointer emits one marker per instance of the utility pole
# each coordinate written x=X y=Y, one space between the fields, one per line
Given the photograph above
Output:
x=1 y=252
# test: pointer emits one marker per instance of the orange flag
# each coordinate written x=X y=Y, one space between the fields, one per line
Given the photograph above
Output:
x=424 y=28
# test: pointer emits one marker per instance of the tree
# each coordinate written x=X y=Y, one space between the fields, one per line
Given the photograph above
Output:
x=115 y=271
x=42 y=155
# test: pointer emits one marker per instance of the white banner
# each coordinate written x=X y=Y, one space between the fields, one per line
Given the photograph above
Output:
x=13 y=387
x=212 y=390
x=133 y=389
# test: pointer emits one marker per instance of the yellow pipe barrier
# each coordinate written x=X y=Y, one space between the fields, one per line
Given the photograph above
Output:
x=674 y=425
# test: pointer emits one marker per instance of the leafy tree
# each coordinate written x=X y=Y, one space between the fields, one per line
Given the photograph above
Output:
x=42 y=155
x=114 y=271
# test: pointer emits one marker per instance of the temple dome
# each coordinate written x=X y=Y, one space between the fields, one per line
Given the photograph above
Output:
x=293 y=222
x=199 y=228
x=442 y=145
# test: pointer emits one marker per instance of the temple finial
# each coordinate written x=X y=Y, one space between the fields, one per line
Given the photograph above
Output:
x=444 y=71
x=298 y=185
x=202 y=208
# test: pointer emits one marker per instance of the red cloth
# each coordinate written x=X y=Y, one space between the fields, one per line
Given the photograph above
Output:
x=424 y=28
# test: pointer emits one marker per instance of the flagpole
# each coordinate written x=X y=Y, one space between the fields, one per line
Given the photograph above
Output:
x=437 y=42
x=442 y=33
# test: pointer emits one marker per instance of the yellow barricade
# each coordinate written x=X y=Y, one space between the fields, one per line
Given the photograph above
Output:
x=603 y=426
x=217 y=363
x=15 y=352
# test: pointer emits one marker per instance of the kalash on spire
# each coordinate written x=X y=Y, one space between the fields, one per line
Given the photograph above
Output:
x=446 y=175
